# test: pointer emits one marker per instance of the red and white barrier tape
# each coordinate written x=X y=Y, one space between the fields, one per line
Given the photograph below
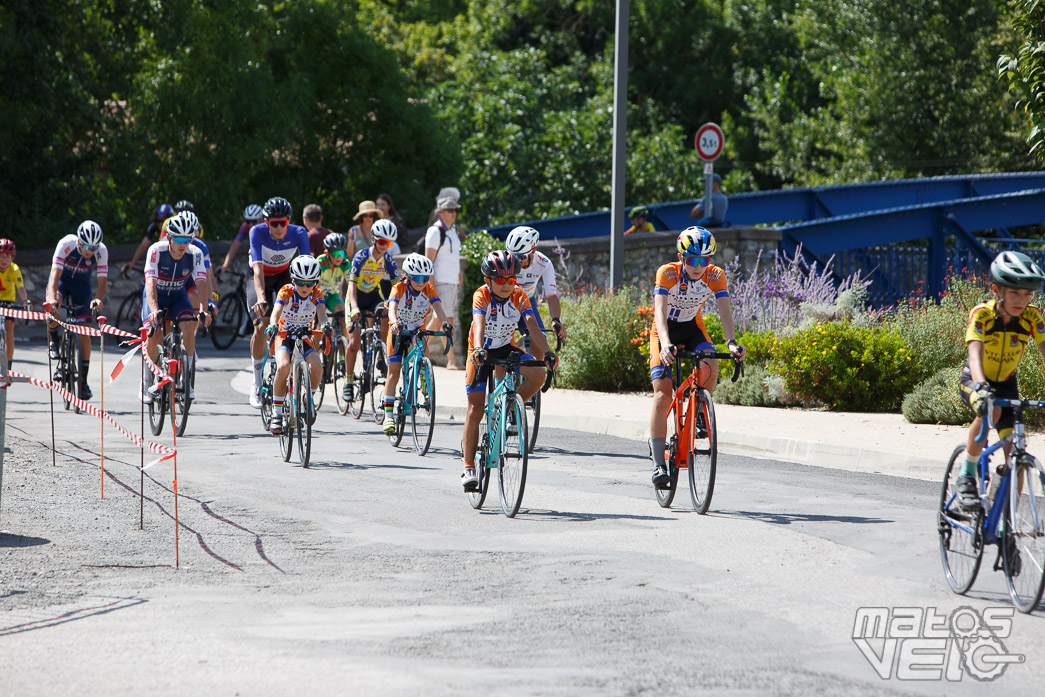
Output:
x=75 y=328
x=163 y=450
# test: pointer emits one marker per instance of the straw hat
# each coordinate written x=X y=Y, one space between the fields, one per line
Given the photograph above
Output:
x=366 y=208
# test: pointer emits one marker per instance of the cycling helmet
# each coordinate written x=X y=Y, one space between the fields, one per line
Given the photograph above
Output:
x=278 y=207
x=253 y=213
x=89 y=233
x=501 y=263
x=522 y=240
x=164 y=211
x=1017 y=270
x=384 y=230
x=696 y=241
x=305 y=268
x=8 y=246
x=418 y=265
x=639 y=212
x=185 y=224
x=184 y=205
x=335 y=240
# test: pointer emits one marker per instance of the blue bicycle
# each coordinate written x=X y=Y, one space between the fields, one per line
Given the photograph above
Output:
x=1011 y=515
x=416 y=397
x=504 y=445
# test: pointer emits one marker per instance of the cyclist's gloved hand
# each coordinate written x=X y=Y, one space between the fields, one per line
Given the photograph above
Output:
x=551 y=359
x=736 y=349
x=448 y=327
x=978 y=399
x=96 y=304
x=394 y=327
x=478 y=357
x=354 y=314
x=558 y=328
x=270 y=330
x=667 y=354
x=326 y=328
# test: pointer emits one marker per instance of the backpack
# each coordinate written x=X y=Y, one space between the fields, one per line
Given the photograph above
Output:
x=420 y=246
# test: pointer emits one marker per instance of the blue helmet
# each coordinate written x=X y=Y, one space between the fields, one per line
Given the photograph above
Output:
x=164 y=211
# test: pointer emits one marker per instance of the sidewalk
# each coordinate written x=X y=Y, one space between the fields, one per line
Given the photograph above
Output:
x=882 y=443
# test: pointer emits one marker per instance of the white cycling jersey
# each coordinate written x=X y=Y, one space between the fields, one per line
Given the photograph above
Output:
x=540 y=268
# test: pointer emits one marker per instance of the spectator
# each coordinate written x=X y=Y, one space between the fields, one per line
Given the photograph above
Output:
x=388 y=211
x=451 y=191
x=639 y=222
x=313 y=218
x=359 y=235
x=443 y=247
x=716 y=217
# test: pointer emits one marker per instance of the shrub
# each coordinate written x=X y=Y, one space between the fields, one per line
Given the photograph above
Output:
x=935 y=400
x=759 y=347
x=749 y=391
x=846 y=367
x=475 y=247
x=600 y=353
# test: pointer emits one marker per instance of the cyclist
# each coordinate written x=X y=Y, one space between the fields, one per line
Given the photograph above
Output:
x=75 y=257
x=273 y=245
x=332 y=279
x=152 y=233
x=681 y=289
x=408 y=306
x=369 y=266
x=11 y=285
x=207 y=285
x=497 y=308
x=173 y=270
x=297 y=304
x=522 y=241
x=252 y=215
x=997 y=336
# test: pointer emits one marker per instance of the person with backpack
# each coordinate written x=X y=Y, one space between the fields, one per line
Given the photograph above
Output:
x=443 y=246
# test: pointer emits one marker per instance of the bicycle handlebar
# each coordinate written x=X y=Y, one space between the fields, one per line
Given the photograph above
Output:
x=738 y=364
x=405 y=333
x=988 y=419
x=515 y=361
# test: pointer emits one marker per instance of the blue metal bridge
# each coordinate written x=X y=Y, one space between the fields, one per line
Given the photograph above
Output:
x=862 y=225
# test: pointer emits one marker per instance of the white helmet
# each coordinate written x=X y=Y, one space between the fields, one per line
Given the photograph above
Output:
x=418 y=265
x=522 y=240
x=184 y=224
x=253 y=213
x=89 y=233
x=305 y=268
x=384 y=229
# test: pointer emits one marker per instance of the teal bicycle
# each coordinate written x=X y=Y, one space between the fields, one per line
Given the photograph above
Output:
x=504 y=445
x=416 y=398
x=1011 y=513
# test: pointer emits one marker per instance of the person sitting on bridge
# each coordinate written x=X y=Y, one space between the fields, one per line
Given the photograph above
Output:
x=639 y=222
x=716 y=217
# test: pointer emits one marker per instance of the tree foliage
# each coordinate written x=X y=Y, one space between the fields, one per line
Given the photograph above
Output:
x=1024 y=70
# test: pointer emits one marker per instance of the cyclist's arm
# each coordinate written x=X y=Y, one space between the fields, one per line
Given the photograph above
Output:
x=277 y=310
x=478 y=329
x=660 y=318
x=259 y=284
x=230 y=255
x=393 y=315
x=437 y=307
x=353 y=301
x=976 y=361
x=194 y=297
x=103 y=288
x=725 y=312
x=536 y=335
x=52 y=285
x=142 y=246
x=151 y=297
x=321 y=312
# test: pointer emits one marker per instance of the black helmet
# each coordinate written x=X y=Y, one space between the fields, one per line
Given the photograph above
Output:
x=1017 y=270
x=335 y=240
x=501 y=263
x=184 y=205
x=164 y=211
x=278 y=207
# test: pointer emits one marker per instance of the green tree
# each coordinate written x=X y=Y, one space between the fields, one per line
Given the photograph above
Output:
x=1024 y=70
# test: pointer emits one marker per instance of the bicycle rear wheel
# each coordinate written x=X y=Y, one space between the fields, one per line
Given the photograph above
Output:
x=231 y=314
x=305 y=413
x=671 y=447
x=70 y=361
x=482 y=472
x=377 y=382
x=180 y=402
x=533 y=415
x=361 y=387
x=961 y=531
x=266 y=393
x=1024 y=557
x=511 y=467
x=703 y=453
x=128 y=316
x=399 y=414
x=422 y=419
x=338 y=374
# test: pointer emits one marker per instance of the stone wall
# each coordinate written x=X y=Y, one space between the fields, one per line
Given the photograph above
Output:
x=589 y=259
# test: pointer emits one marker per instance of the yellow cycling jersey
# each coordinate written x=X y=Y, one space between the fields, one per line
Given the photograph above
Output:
x=1003 y=344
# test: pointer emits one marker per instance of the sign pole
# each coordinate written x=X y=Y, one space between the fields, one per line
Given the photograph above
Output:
x=708 y=143
x=620 y=125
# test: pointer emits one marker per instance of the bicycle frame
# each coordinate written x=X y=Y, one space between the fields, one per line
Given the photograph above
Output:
x=685 y=394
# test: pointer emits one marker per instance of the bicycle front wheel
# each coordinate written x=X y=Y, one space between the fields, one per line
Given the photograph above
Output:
x=1023 y=545
x=533 y=413
x=703 y=453
x=482 y=472
x=266 y=393
x=671 y=455
x=511 y=468
x=960 y=531
x=339 y=375
x=360 y=388
x=231 y=314
x=376 y=381
x=305 y=412
x=422 y=419
x=180 y=402
x=286 y=434
x=399 y=414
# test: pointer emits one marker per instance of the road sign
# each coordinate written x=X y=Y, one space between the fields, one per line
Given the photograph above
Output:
x=709 y=141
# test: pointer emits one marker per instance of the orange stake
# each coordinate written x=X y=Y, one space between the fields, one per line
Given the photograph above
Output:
x=101 y=369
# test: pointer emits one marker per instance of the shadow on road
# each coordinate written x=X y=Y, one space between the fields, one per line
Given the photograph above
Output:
x=788 y=518
x=8 y=539
x=544 y=514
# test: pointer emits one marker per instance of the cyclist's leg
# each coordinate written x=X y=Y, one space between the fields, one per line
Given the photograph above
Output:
x=315 y=367
x=284 y=351
x=180 y=310
x=534 y=348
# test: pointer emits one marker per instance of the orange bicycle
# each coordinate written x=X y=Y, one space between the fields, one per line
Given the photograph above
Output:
x=692 y=442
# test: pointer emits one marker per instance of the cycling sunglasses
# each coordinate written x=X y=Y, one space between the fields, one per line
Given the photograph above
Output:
x=695 y=262
x=89 y=247
x=278 y=222
x=339 y=254
x=383 y=243
x=510 y=280
x=181 y=240
x=305 y=284
x=418 y=278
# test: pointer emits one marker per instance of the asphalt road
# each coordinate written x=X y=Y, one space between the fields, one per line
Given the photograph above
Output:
x=368 y=573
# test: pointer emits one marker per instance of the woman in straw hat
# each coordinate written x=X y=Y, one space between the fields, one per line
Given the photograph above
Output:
x=359 y=235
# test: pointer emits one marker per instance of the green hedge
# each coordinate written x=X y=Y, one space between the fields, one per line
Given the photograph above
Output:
x=600 y=353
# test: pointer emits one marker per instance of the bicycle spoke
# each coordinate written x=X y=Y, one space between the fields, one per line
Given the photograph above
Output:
x=960 y=531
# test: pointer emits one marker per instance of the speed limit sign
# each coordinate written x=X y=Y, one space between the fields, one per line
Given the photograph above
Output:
x=709 y=141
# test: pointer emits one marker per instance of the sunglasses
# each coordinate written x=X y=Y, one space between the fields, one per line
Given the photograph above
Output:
x=418 y=278
x=695 y=262
x=89 y=247
x=383 y=243
x=369 y=216
x=339 y=254
x=510 y=280
x=278 y=222
x=181 y=240
x=305 y=284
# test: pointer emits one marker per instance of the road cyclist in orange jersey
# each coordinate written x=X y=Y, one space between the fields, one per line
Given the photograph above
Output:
x=12 y=286
x=681 y=289
x=497 y=308
x=409 y=304
x=997 y=335
x=297 y=305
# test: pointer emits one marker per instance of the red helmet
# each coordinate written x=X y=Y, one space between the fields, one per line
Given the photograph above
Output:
x=501 y=263
x=7 y=246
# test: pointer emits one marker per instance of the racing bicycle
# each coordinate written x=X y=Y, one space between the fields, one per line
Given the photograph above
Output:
x=298 y=405
x=232 y=319
x=335 y=349
x=416 y=397
x=171 y=396
x=370 y=380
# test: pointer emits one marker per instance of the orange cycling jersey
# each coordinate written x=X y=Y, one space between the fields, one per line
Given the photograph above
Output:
x=298 y=312
x=686 y=296
x=502 y=317
x=1003 y=344
x=411 y=307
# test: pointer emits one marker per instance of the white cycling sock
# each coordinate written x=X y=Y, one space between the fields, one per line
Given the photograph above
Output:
x=257 y=372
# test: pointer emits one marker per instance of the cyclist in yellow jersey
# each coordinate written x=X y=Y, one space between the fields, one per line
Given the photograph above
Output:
x=369 y=266
x=997 y=336
x=11 y=285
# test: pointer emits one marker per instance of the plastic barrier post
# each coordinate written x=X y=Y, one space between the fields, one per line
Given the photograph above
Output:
x=101 y=323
